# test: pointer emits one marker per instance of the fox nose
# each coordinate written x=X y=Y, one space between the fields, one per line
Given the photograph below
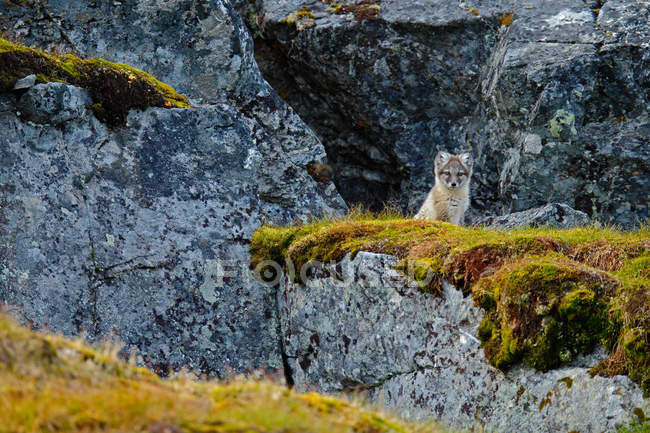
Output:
x=453 y=184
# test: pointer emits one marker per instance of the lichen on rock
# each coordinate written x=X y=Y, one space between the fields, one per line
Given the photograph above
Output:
x=544 y=309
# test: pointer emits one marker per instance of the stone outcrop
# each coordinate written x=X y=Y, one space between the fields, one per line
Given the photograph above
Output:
x=360 y=325
x=552 y=215
x=141 y=232
x=552 y=97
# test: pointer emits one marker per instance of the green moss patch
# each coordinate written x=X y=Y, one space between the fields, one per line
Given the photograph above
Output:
x=544 y=309
x=50 y=384
x=115 y=88
x=548 y=294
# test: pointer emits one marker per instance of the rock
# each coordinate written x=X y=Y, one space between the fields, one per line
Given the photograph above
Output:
x=53 y=103
x=360 y=325
x=141 y=232
x=552 y=215
x=541 y=94
x=202 y=49
x=25 y=83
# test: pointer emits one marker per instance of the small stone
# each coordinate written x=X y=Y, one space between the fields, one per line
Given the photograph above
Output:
x=25 y=83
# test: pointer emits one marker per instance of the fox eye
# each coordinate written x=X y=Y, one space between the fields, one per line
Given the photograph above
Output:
x=446 y=173
x=461 y=174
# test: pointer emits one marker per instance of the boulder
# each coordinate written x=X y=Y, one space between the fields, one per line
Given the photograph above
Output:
x=359 y=325
x=140 y=231
x=202 y=49
x=551 y=97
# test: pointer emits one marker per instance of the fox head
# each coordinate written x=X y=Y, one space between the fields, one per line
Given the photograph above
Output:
x=453 y=171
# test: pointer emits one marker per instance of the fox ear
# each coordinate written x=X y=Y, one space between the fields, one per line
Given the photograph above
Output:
x=467 y=159
x=441 y=158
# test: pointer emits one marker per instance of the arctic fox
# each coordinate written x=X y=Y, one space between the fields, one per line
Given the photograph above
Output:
x=449 y=198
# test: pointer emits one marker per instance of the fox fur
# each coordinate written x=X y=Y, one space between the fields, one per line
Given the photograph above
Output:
x=449 y=198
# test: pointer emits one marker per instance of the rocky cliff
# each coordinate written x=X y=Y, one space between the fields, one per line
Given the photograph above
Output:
x=552 y=97
x=361 y=325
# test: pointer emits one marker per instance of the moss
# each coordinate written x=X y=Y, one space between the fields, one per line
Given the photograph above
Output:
x=334 y=8
x=301 y=19
x=548 y=294
x=293 y=17
x=520 y=392
x=506 y=20
x=115 y=88
x=640 y=415
x=567 y=381
x=545 y=401
x=630 y=312
x=547 y=309
x=49 y=384
x=425 y=271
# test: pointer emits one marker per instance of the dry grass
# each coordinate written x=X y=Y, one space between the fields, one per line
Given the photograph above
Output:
x=50 y=384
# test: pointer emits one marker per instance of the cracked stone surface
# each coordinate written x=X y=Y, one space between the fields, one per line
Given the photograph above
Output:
x=554 y=106
x=360 y=325
x=141 y=233
x=201 y=48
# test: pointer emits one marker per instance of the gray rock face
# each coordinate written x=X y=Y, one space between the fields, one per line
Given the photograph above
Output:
x=25 y=83
x=142 y=232
x=553 y=101
x=201 y=48
x=552 y=215
x=360 y=325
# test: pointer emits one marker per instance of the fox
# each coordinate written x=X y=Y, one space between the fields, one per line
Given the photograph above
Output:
x=448 y=200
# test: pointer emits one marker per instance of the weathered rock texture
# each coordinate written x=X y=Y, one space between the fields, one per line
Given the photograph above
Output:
x=360 y=325
x=552 y=215
x=552 y=100
x=124 y=231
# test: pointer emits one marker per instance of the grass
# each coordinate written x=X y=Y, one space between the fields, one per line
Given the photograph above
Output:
x=115 y=88
x=548 y=294
x=51 y=384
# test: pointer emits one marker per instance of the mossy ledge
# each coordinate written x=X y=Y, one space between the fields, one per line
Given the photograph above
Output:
x=548 y=294
x=115 y=88
x=50 y=384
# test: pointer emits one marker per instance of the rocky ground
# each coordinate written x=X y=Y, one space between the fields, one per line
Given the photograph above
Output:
x=53 y=384
x=532 y=334
x=420 y=356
